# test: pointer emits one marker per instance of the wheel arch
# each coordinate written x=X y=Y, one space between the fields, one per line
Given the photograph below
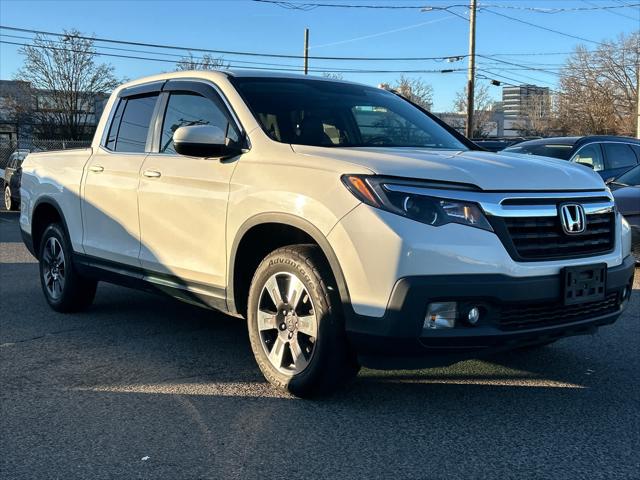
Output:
x=237 y=291
x=45 y=211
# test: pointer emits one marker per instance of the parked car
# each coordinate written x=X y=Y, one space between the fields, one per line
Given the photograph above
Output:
x=496 y=144
x=626 y=192
x=10 y=176
x=609 y=156
x=346 y=224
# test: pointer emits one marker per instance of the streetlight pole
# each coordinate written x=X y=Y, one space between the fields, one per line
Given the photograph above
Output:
x=471 y=73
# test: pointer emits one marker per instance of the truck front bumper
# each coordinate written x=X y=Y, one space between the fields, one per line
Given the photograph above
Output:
x=516 y=311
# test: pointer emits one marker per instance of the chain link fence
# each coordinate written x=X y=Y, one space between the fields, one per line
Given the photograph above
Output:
x=37 y=145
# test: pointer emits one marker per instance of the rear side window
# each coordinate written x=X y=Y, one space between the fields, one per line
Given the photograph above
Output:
x=115 y=124
x=560 y=151
x=130 y=125
x=619 y=155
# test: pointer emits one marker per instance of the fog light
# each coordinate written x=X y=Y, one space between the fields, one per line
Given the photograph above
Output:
x=473 y=316
x=441 y=315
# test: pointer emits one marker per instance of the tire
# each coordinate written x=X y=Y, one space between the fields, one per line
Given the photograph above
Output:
x=64 y=288
x=297 y=332
x=8 y=202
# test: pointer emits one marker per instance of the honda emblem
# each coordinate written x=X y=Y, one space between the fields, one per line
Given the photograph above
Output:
x=572 y=218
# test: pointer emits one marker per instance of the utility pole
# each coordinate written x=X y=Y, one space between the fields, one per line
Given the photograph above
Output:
x=306 y=51
x=638 y=99
x=471 y=74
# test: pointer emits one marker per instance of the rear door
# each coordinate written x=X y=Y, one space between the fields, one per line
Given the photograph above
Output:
x=110 y=193
x=183 y=200
x=618 y=158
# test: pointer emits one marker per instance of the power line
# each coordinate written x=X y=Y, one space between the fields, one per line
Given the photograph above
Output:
x=550 y=72
x=542 y=27
x=308 y=6
x=260 y=54
x=231 y=65
x=637 y=18
x=223 y=52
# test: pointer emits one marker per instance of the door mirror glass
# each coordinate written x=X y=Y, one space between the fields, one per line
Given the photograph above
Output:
x=203 y=141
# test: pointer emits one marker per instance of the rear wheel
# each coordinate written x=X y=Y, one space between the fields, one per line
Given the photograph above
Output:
x=64 y=288
x=8 y=203
x=295 y=323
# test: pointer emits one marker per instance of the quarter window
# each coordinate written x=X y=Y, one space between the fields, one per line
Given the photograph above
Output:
x=619 y=155
x=184 y=109
x=130 y=125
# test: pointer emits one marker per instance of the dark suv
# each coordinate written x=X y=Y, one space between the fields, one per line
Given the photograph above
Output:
x=609 y=156
x=10 y=179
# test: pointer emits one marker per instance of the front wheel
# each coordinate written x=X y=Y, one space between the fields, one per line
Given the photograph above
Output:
x=295 y=323
x=64 y=288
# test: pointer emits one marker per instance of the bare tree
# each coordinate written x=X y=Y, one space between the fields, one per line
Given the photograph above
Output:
x=66 y=81
x=599 y=89
x=333 y=75
x=536 y=117
x=415 y=89
x=206 y=62
x=483 y=111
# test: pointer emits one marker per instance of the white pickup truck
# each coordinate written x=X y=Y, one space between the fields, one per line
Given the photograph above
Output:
x=347 y=225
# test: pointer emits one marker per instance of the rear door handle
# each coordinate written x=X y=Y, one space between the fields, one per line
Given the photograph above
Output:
x=96 y=168
x=151 y=173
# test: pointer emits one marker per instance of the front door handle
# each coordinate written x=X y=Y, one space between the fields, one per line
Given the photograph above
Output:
x=96 y=168
x=151 y=173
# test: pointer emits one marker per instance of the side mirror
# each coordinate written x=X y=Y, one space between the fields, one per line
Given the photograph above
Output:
x=203 y=141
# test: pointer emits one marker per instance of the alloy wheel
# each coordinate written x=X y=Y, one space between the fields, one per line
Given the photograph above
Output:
x=7 y=198
x=287 y=323
x=54 y=270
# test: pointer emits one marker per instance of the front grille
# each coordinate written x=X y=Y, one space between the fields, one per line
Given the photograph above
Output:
x=521 y=316
x=539 y=238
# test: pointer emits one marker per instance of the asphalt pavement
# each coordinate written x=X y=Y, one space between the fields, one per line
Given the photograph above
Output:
x=142 y=386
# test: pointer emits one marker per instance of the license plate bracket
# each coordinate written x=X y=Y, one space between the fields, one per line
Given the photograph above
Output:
x=586 y=283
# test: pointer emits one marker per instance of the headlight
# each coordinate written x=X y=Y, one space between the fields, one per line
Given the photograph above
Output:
x=381 y=193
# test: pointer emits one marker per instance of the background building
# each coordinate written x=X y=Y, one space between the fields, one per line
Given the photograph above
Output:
x=524 y=107
x=27 y=113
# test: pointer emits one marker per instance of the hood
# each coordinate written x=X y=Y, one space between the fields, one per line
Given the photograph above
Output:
x=489 y=171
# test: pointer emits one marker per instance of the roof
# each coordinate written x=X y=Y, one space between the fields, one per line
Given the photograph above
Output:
x=551 y=140
x=578 y=140
x=214 y=75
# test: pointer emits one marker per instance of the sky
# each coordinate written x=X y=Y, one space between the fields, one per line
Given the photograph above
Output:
x=247 y=25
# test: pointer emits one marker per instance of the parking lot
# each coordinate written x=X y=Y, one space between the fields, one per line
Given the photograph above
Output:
x=141 y=386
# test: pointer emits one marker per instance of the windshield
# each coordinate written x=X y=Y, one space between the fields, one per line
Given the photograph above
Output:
x=632 y=177
x=563 y=152
x=334 y=114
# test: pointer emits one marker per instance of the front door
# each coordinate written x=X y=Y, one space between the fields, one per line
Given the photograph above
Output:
x=183 y=200
x=109 y=197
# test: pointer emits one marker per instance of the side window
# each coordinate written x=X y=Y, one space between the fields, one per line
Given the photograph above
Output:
x=619 y=155
x=590 y=155
x=115 y=125
x=185 y=109
x=132 y=133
